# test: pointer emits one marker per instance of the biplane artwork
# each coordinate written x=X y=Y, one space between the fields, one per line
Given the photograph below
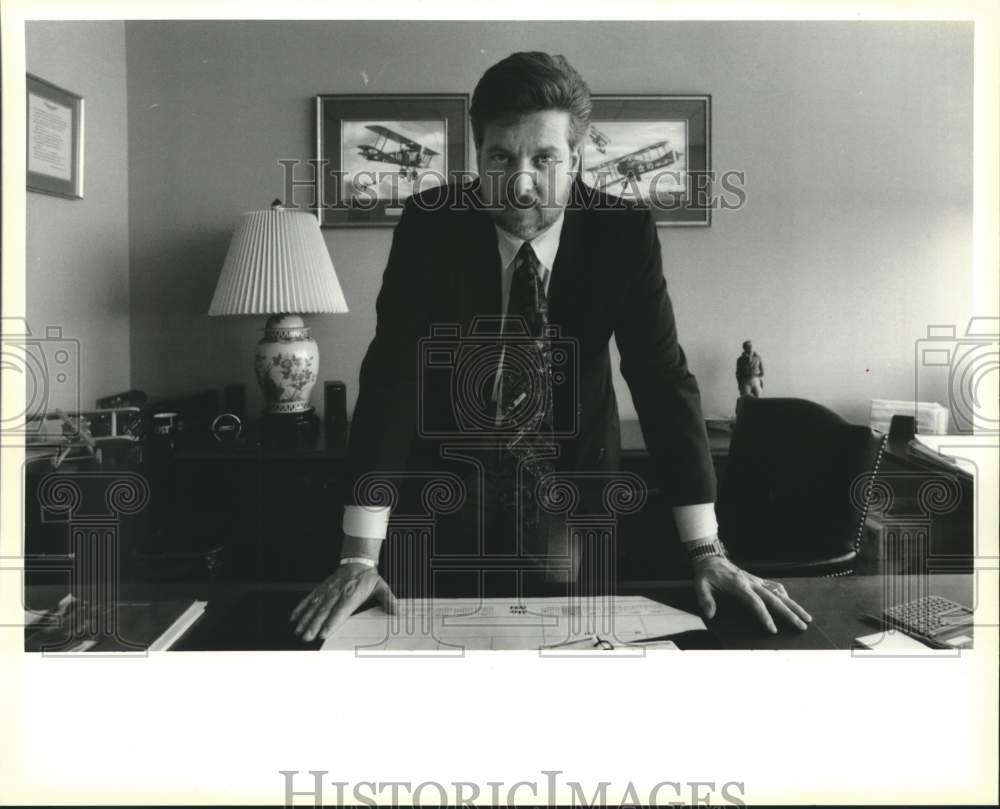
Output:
x=378 y=150
x=654 y=151
x=390 y=160
x=598 y=138
x=634 y=164
x=629 y=158
x=397 y=149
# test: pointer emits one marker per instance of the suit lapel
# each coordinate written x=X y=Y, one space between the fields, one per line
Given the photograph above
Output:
x=479 y=271
x=567 y=274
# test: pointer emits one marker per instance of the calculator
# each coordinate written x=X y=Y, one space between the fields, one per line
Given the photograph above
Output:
x=933 y=618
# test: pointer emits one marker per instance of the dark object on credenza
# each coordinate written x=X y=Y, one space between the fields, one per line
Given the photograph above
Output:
x=335 y=414
x=902 y=429
x=289 y=430
x=234 y=400
x=786 y=504
x=195 y=412
x=335 y=411
x=129 y=398
x=227 y=428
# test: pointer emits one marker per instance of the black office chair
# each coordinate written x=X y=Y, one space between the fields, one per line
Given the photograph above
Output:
x=785 y=506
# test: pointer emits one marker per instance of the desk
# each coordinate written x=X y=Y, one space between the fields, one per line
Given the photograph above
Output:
x=276 y=512
x=634 y=445
x=836 y=604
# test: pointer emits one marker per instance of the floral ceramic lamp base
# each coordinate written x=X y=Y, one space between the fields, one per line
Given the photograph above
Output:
x=286 y=361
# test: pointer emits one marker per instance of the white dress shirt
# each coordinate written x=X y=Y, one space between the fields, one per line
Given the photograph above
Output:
x=694 y=523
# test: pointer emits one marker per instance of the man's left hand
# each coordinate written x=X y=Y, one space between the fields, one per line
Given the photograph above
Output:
x=764 y=598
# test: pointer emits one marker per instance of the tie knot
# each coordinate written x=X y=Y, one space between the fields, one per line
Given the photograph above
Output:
x=526 y=256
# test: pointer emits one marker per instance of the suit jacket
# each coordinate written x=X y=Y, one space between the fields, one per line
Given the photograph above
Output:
x=607 y=278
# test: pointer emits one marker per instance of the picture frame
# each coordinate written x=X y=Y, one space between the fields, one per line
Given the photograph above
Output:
x=54 y=139
x=375 y=151
x=656 y=150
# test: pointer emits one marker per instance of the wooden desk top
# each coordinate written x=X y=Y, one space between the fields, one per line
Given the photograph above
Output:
x=254 y=616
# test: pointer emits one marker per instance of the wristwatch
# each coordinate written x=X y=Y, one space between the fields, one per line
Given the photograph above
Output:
x=713 y=548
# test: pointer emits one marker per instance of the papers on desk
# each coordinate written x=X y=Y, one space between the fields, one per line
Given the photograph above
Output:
x=892 y=643
x=557 y=626
x=931 y=418
x=176 y=630
x=76 y=625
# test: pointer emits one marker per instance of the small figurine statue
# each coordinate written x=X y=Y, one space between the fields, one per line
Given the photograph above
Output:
x=749 y=371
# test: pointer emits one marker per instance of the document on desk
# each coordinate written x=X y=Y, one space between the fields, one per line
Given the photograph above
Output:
x=453 y=625
x=79 y=625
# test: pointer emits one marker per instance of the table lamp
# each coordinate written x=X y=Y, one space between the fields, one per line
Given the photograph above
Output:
x=278 y=265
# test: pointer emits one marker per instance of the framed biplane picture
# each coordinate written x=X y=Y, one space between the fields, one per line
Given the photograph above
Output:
x=654 y=150
x=376 y=151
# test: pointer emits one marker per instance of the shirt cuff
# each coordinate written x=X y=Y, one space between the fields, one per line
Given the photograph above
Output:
x=697 y=522
x=366 y=522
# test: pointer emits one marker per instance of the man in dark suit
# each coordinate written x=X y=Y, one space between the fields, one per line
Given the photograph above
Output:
x=531 y=241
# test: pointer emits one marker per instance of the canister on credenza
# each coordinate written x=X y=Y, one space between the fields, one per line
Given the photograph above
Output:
x=166 y=426
x=335 y=410
x=234 y=399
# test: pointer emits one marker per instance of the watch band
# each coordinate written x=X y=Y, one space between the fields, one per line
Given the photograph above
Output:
x=358 y=560
x=713 y=548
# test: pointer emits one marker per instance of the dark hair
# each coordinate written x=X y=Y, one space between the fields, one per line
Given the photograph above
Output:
x=531 y=81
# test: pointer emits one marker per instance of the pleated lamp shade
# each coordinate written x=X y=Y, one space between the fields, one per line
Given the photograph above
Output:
x=277 y=263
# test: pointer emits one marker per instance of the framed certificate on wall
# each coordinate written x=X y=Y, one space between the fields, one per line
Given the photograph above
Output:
x=55 y=139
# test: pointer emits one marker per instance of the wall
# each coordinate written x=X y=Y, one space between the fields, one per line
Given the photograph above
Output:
x=856 y=140
x=77 y=250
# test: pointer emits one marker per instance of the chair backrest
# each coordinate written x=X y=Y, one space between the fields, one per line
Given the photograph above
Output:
x=785 y=498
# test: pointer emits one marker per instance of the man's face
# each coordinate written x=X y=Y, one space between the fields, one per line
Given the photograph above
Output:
x=527 y=169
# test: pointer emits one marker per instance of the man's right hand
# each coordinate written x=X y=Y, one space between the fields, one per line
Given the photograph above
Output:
x=336 y=599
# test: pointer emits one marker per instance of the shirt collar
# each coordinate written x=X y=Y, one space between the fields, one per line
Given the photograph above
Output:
x=545 y=244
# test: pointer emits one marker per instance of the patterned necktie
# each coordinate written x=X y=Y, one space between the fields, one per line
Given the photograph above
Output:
x=526 y=388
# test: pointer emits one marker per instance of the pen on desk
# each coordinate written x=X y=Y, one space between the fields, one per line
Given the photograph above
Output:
x=594 y=641
x=605 y=645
